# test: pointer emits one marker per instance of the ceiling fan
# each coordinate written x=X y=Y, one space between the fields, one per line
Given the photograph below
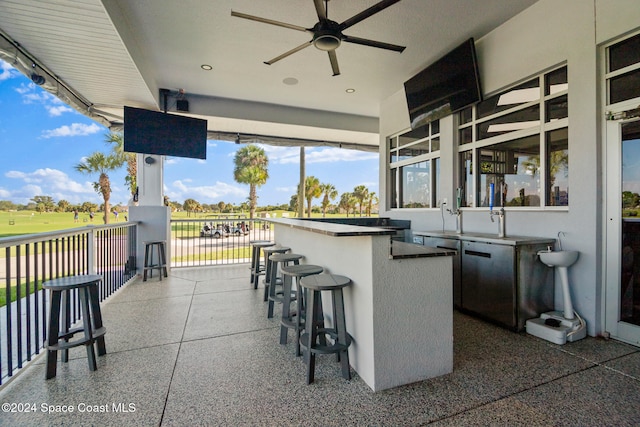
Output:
x=327 y=34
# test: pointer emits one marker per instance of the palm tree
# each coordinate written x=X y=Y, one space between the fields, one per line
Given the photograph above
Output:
x=371 y=200
x=129 y=158
x=361 y=193
x=101 y=164
x=251 y=165
x=330 y=193
x=191 y=205
x=347 y=202
x=312 y=190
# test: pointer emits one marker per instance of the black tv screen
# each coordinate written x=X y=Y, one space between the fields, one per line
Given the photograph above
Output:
x=153 y=132
x=446 y=86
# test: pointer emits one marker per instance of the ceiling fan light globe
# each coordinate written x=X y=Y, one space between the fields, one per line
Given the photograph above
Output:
x=326 y=42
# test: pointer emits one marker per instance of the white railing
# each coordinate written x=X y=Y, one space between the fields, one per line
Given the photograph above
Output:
x=207 y=242
x=29 y=260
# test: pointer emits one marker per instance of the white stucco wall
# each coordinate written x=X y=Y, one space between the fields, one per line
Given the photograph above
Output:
x=544 y=36
x=398 y=311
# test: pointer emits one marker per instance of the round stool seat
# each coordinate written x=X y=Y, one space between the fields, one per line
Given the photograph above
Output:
x=325 y=282
x=263 y=243
x=72 y=282
x=301 y=270
x=285 y=257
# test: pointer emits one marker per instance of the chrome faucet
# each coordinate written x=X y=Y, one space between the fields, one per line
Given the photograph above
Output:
x=501 y=221
x=560 y=239
x=458 y=213
x=501 y=212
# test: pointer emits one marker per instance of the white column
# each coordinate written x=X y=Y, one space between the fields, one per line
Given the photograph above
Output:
x=150 y=180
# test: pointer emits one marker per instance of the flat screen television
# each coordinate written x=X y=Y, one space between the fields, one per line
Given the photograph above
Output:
x=153 y=132
x=444 y=87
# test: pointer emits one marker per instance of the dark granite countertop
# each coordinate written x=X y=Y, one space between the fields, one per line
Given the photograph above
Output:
x=401 y=250
x=333 y=229
x=488 y=238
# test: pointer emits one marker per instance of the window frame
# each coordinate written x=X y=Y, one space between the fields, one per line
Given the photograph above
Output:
x=472 y=197
x=395 y=167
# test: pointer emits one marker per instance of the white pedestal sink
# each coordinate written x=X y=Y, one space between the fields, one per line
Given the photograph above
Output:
x=555 y=326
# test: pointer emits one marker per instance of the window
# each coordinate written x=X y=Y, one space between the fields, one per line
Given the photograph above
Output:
x=518 y=141
x=414 y=167
x=623 y=70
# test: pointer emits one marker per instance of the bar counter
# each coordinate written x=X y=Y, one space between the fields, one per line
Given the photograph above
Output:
x=399 y=308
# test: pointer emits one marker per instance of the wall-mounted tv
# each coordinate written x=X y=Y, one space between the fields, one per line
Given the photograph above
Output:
x=153 y=132
x=444 y=87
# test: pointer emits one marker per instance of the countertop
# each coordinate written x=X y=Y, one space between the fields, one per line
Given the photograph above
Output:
x=488 y=238
x=401 y=250
x=334 y=229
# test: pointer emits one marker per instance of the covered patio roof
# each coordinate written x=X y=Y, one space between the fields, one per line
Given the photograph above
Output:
x=100 y=55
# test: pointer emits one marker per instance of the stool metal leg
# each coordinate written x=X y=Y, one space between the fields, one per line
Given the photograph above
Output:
x=313 y=297
x=96 y=315
x=87 y=327
x=146 y=263
x=52 y=337
x=286 y=307
x=163 y=259
x=272 y=289
x=65 y=322
x=340 y=325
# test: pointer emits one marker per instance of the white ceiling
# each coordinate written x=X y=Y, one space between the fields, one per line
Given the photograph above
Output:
x=121 y=52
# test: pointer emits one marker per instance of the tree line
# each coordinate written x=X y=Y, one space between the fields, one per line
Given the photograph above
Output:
x=250 y=167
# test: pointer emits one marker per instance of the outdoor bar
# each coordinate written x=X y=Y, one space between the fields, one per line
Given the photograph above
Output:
x=399 y=309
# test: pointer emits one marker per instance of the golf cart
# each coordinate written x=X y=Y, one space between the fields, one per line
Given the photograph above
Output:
x=217 y=232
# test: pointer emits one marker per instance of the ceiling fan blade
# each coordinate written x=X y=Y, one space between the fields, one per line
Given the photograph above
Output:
x=373 y=43
x=367 y=13
x=290 y=52
x=333 y=58
x=320 y=10
x=269 y=21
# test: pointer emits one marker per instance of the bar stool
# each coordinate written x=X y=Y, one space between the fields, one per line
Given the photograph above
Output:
x=267 y=271
x=59 y=331
x=314 y=338
x=288 y=272
x=275 y=295
x=148 y=259
x=257 y=269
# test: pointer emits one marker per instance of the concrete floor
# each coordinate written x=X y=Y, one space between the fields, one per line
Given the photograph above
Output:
x=198 y=349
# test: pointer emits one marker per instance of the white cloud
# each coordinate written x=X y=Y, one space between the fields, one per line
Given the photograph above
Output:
x=76 y=129
x=51 y=181
x=285 y=155
x=5 y=194
x=333 y=154
x=7 y=71
x=58 y=110
x=289 y=190
x=32 y=94
x=179 y=190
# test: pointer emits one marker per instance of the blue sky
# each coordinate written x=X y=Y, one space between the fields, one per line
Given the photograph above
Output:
x=42 y=139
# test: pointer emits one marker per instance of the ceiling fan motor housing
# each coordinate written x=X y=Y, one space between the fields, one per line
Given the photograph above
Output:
x=327 y=35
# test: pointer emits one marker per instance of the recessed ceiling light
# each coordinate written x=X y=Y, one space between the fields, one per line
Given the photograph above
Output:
x=350 y=90
x=290 y=81
x=206 y=67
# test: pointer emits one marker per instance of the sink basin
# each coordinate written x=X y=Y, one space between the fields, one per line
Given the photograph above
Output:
x=558 y=258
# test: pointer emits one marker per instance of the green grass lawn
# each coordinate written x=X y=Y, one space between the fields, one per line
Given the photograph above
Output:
x=28 y=222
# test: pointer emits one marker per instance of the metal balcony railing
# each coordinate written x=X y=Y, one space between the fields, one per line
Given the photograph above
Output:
x=207 y=242
x=30 y=260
